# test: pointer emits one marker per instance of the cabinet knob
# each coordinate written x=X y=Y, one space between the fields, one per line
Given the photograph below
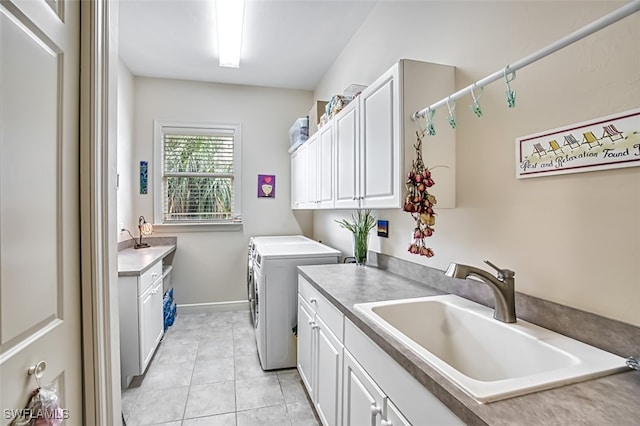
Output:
x=375 y=410
x=311 y=322
x=315 y=326
x=313 y=300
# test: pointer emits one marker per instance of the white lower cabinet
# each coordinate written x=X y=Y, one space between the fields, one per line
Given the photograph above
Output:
x=328 y=374
x=393 y=417
x=151 y=321
x=363 y=400
x=350 y=379
x=364 y=403
x=306 y=344
x=141 y=320
x=407 y=401
x=320 y=352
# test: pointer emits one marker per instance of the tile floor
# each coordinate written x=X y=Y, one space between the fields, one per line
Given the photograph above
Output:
x=206 y=372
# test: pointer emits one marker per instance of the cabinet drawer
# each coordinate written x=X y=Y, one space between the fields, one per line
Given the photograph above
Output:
x=331 y=316
x=149 y=277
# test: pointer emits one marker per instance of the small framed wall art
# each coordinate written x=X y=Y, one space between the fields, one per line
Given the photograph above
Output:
x=144 y=176
x=266 y=186
x=383 y=228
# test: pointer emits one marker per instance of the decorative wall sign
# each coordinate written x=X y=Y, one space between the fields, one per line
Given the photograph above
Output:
x=266 y=186
x=144 y=176
x=604 y=143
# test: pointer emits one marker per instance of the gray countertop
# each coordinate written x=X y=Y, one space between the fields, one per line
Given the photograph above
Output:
x=132 y=262
x=610 y=400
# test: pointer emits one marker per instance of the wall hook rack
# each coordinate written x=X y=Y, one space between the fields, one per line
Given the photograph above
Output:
x=609 y=19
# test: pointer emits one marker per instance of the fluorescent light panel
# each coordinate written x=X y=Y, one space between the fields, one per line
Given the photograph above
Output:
x=230 y=18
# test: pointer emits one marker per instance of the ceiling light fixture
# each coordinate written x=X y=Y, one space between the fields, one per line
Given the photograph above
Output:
x=230 y=19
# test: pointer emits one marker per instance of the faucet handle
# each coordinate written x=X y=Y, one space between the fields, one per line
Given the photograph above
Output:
x=502 y=273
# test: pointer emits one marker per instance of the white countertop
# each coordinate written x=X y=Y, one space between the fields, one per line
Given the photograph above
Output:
x=132 y=262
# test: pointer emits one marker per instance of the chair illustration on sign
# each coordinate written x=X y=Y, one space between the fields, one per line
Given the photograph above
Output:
x=589 y=138
x=538 y=149
x=612 y=133
x=555 y=146
x=571 y=141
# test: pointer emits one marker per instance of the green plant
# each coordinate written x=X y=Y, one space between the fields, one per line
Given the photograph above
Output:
x=362 y=222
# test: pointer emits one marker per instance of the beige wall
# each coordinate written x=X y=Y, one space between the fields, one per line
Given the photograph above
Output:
x=211 y=266
x=573 y=239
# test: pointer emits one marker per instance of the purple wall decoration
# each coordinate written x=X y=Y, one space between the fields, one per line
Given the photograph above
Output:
x=266 y=186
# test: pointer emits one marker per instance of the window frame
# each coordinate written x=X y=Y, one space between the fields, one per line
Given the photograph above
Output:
x=158 y=197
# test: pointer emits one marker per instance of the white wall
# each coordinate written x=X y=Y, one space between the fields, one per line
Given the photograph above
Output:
x=125 y=146
x=572 y=239
x=211 y=266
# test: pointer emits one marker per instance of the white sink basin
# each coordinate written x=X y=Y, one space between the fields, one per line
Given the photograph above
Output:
x=490 y=360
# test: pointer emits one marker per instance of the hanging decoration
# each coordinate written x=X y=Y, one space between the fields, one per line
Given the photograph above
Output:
x=43 y=408
x=419 y=202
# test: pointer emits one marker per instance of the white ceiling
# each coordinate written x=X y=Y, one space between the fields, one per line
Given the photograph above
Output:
x=286 y=43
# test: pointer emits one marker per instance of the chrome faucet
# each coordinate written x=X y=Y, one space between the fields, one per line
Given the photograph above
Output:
x=503 y=287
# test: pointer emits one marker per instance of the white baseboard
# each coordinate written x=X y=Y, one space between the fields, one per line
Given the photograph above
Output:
x=205 y=308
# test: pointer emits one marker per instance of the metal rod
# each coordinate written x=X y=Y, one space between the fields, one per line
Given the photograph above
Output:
x=605 y=21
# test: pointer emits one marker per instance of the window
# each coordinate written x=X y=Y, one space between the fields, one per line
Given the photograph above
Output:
x=197 y=173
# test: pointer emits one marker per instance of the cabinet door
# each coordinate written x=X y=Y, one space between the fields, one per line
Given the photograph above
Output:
x=295 y=179
x=145 y=322
x=394 y=417
x=312 y=172
x=151 y=322
x=363 y=400
x=299 y=178
x=380 y=147
x=329 y=375
x=325 y=167
x=305 y=344
x=157 y=327
x=346 y=133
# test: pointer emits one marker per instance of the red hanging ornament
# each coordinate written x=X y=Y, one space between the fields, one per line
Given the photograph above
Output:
x=420 y=203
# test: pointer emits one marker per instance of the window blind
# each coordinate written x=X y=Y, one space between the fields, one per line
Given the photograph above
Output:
x=198 y=175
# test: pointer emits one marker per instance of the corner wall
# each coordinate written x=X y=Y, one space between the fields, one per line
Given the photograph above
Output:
x=124 y=164
x=572 y=239
x=211 y=267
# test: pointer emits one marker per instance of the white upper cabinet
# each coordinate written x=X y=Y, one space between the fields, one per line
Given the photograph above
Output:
x=311 y=172
x=347 y=136
x=299 y=178
x=373 y=139
x=325 y=184
x=381 y=142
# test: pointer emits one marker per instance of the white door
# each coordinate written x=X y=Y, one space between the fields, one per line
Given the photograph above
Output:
x=300 y=178
x=363 y=399
x=39 y=202
x=381 y=148
x=394 y=417
x=146 y=322
x=346 y=143
x=325 y=167
x=329 y=377
x=312 y=172
x=305 y=344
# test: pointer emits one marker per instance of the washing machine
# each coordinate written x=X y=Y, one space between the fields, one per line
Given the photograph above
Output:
x=275 y=280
